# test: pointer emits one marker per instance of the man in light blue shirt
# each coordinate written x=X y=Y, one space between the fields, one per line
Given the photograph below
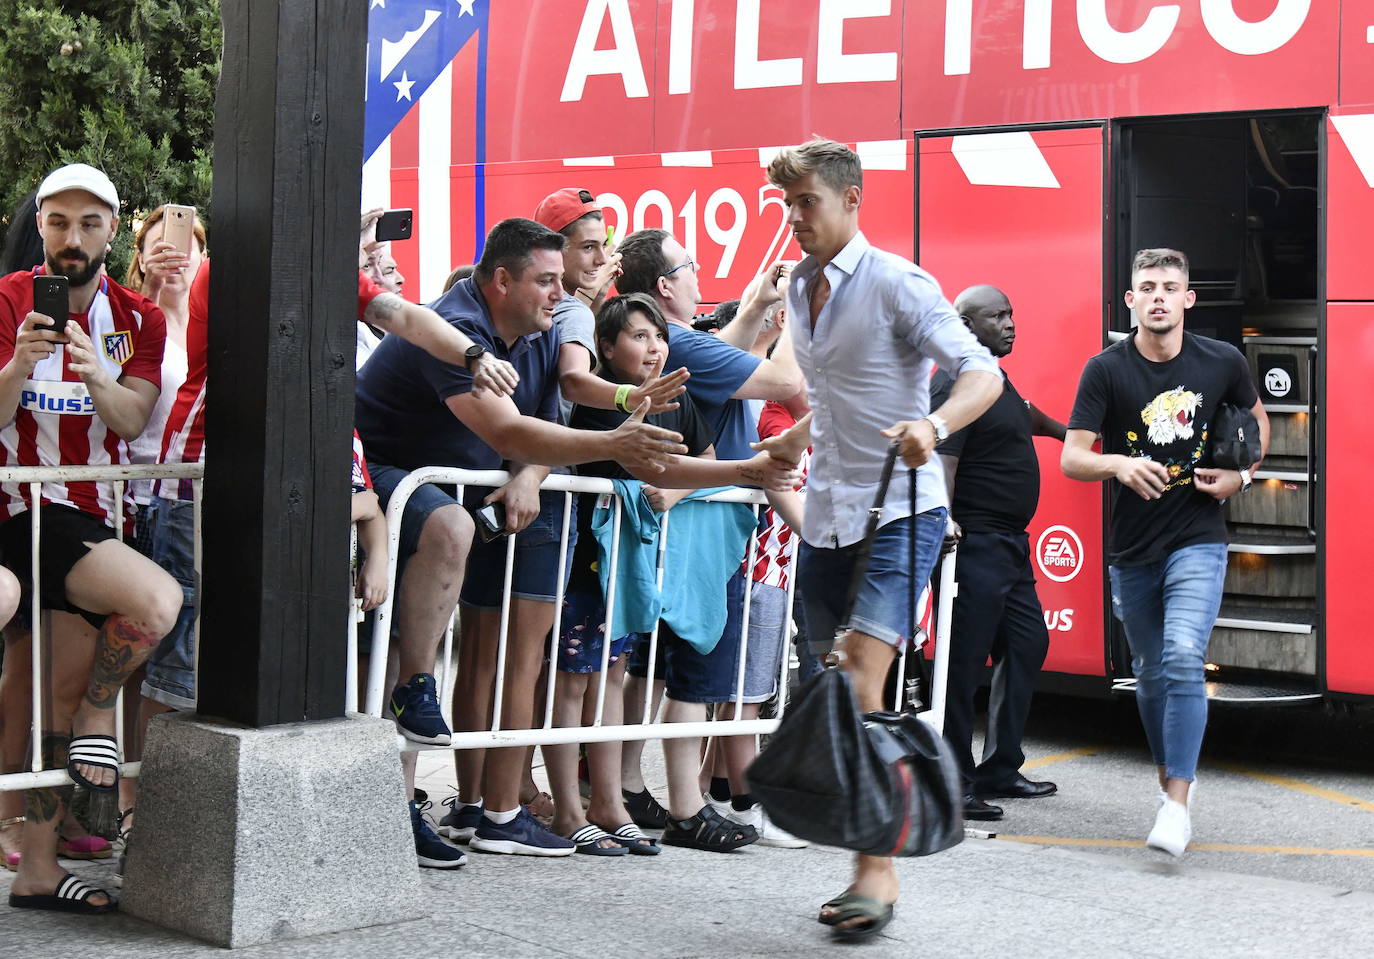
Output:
x=868 y=328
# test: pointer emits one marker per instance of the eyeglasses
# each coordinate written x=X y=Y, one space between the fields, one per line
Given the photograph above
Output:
x=690 y=264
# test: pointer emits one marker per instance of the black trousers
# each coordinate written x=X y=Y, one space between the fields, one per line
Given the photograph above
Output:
x=997 y=614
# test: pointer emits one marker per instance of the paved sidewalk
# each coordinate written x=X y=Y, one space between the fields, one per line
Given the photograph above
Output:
x=983 y=898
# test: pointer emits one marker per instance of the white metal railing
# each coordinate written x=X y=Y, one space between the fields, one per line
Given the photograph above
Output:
x=34 y=477
x=547 y=733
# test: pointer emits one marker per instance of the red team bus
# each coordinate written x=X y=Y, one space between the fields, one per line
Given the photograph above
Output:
x=1032 y=145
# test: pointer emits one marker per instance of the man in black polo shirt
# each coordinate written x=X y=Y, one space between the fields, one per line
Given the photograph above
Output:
x=994 y=487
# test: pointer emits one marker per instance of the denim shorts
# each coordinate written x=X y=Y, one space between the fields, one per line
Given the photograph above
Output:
x=638 y=650
x=535 y=573
x=427 y=498
x=583 y=634
x=696 y=677
x=171 y=669
x=885 y=605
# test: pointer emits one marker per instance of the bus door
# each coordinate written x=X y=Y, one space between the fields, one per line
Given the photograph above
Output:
x=1023 y=210
x=1346 y=441
x=1240 y=195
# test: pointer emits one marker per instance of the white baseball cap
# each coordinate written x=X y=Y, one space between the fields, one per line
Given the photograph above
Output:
x=79 y=176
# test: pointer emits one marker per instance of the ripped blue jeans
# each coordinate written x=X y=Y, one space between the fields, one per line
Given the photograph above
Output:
x=1168 y=608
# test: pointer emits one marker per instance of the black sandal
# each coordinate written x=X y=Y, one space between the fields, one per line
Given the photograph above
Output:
x=71 y=895
x=644 y=809
x=709 y=830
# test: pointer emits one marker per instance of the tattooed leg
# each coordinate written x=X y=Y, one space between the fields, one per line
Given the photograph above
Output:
x=39 y=872
x=122 y=646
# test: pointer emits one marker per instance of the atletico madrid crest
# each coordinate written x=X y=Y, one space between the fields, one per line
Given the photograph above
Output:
x=118 y=346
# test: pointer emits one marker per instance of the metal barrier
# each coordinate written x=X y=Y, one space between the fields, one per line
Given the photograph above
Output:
x=35 y=477
x=548 y=734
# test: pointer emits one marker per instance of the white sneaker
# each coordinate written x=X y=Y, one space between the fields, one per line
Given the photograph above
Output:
x=770 y=833
x=1162 y=795
x=721 y=806
x=1173 y=829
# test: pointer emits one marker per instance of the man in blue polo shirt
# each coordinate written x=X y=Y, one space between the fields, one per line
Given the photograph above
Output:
x=415 y=411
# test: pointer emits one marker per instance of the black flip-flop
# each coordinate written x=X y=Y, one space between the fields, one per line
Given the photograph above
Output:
x=71 y=895
x=878 y=914
x=641 y=845
x=589 y=839
x=96 y=749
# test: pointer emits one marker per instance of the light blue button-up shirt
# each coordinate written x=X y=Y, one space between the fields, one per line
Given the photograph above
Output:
x=868 y=364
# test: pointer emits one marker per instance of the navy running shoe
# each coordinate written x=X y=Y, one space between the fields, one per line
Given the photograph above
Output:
x=415 y=707
x=432 y=851
x=462 y=820
x=522 y=836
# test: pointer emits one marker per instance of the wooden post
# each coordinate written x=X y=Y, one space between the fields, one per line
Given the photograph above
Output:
x=284 y=239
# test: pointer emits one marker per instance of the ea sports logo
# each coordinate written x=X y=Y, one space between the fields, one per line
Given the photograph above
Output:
x=1278 y=382
x=1059 y=553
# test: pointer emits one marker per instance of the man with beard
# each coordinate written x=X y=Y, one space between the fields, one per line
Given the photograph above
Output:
x=76 y=390
x=994 y=486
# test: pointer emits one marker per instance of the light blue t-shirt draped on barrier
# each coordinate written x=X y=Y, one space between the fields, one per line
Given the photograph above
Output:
x=706 y=544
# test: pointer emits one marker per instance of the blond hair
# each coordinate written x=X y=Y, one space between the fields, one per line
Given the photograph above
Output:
x=836 y=164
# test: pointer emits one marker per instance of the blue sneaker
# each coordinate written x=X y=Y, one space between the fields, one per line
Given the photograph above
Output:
x=432 y=851
x=415 y=707
x=462 y=820
x=522 y=836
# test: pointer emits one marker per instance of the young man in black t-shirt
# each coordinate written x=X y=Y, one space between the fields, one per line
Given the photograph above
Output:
x=1151 y=397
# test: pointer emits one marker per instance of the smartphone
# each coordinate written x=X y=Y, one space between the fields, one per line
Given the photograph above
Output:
x=395 y=225
x=50 y=299
x=610 y=237
x=179 y=226
x=491 y=521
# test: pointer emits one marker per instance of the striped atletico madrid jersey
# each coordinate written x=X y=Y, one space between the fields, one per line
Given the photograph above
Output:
x=55 y=423
x=183 y=440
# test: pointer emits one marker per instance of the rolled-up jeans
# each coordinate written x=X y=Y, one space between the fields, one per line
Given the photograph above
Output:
x=1168 y=608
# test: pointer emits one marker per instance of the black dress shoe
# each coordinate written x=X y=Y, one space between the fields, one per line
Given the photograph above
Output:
x=975 y=808
x=1018 y=788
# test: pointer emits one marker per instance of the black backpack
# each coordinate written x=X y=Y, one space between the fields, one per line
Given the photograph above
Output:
x=1233 y=440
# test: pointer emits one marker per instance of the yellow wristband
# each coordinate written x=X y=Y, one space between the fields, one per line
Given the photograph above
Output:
x=622 y=393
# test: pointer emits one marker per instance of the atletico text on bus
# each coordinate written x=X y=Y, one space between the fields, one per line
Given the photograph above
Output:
x=1030 y=144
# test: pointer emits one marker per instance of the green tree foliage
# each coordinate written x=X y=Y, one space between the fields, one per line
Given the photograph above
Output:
x=125 y=85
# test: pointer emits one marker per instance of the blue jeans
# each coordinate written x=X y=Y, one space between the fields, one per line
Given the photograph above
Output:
x=1168 y=608
x=171 y=669
x=885 y=606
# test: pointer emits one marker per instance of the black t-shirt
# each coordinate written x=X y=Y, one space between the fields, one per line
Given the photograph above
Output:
x=1161 y=411
x=696 y=436
x=997 y=486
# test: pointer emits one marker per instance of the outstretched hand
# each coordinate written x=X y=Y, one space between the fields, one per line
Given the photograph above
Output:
x=642 y=446
x=789 y=445
x=659 y=390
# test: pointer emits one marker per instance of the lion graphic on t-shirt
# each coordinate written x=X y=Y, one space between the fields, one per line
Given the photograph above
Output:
x=1169 y=417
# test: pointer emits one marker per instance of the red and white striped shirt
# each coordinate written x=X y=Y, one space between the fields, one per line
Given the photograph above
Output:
x=777 y=545
x=183 y=441
x=55 y=423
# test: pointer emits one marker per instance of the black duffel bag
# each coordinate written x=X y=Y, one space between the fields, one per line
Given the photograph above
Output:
x=1233 y=440
x=884 y=784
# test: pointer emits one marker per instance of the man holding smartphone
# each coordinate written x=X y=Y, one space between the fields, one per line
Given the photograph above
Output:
x=75 y=389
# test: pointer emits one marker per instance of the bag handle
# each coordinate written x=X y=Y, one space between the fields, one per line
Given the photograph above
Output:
x=866 y=544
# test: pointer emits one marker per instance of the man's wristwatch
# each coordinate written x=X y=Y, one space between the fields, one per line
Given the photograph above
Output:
x=472 y=354
x=1244 y=480
x=938 y=423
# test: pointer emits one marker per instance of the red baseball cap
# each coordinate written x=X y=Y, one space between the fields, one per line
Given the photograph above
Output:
x=559 y=209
